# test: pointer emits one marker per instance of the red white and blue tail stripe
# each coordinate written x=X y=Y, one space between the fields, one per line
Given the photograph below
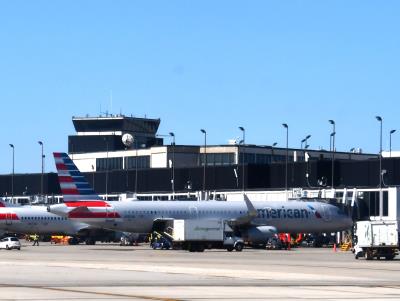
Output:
x=73 y=184
x=80 y=200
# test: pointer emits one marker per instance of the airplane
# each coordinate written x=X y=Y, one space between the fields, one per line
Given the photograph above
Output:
x=37 y=220
x=256 y=222
x=6 y=203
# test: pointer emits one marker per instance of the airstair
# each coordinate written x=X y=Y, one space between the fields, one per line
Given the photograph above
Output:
x=161 y=240
x=345 y=246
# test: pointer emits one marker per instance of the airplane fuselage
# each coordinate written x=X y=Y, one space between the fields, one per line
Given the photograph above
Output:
x=139 y=216
x=36 y=220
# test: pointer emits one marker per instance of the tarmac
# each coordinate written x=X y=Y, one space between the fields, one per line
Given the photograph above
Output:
x=112 y=272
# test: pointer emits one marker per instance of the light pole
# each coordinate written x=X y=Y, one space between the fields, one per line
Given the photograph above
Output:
x=379 y=118
x=301 y=144
x=41 y=178
x=204 y=159
x=94 y=188
x=173 y=164
x=272 y=151
x=306 y=139
x=390 y=142
x=333 y=134
x=12 y=177
x=136 y=165
x=106 y=141
x=244 y=143
x=287 y=156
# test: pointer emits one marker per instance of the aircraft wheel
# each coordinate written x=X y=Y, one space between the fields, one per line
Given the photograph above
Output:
x=239 y=247
x=73 y=241
x=90 y=241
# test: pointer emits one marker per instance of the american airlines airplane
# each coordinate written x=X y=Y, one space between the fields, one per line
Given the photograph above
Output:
x=255 y=222
x=37 y=220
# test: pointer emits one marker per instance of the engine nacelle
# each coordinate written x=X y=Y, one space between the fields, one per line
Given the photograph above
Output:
x=260 y=234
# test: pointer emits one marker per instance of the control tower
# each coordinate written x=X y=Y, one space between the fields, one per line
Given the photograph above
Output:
x=104 y=133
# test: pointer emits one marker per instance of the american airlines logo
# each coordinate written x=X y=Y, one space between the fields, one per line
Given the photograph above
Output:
x=317 y=215
x=287 y=213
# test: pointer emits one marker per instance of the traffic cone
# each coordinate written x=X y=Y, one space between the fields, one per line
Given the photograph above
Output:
x=334 y=248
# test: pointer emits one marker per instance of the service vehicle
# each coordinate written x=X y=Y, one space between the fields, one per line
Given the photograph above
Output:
x=198 y=235
x=9 y=243
x=376 y=239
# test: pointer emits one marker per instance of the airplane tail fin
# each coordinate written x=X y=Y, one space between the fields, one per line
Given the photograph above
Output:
x=74 y=186
x=5 y=203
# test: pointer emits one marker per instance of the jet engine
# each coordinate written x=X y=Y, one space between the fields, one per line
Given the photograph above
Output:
x=259 y=235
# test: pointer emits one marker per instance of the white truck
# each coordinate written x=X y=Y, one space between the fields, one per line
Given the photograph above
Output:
x=376 y=239
x=197 y=235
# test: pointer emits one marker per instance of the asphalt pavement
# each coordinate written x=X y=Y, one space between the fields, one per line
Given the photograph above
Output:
x=112 y=272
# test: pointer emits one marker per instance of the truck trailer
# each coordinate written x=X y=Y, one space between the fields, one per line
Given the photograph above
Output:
x=376 y=239
x=198 y=235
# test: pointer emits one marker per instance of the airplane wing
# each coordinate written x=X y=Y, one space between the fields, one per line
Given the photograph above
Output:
x=163 y=219
x=246 y=219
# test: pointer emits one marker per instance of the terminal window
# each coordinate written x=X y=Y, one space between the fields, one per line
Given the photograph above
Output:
x=372 y=200
x=217 y=159
x=137 y=162
x=108 y=163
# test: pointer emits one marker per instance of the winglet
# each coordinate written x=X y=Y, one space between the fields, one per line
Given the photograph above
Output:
x=252 y=212
x=247 y=219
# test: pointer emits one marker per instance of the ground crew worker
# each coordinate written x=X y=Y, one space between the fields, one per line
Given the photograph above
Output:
x=35 y=240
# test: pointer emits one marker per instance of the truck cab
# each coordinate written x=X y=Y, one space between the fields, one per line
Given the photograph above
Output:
x=232 y=242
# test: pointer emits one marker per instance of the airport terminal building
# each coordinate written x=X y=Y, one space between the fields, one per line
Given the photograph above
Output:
x=149 y=167
x=98 y=146
x=148 y=164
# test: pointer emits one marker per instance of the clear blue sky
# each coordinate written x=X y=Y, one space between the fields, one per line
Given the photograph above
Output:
x=199 y=64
